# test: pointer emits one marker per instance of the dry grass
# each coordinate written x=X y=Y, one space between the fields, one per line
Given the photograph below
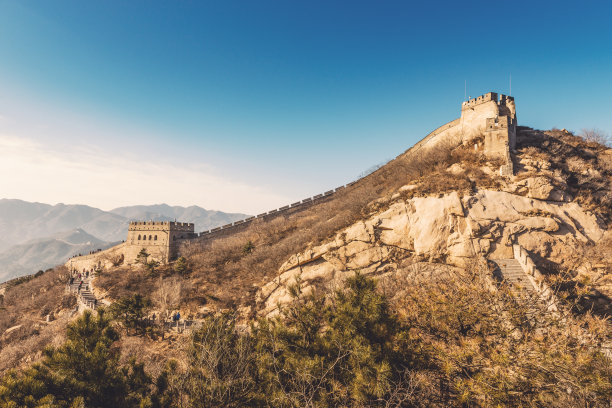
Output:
x=583 y=166
x=224 y=275
x=27 y=305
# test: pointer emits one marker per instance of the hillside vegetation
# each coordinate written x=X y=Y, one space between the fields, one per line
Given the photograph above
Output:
x=228 y=272
x=309 y=310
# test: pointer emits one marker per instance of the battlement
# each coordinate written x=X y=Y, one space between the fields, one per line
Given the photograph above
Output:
x=161 y=225
x=500 y=99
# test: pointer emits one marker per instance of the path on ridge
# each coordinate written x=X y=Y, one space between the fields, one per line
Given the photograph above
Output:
x=85 y=295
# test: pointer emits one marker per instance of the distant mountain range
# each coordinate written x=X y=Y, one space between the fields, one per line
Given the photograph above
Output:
x=37 y=254
x=37 y=236
x=203 y=219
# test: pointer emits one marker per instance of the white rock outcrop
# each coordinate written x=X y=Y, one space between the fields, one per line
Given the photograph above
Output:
x=449 y=229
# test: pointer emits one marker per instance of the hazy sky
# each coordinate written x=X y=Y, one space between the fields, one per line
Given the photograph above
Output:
x=250 y=105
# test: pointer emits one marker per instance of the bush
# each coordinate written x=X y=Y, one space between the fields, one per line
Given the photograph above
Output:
x=130 y=310
x=180 y=266
x=84 y=371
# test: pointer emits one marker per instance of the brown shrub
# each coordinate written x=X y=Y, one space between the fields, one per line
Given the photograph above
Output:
x=26 y=304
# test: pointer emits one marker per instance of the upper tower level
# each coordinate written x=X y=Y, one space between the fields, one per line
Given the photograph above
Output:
x=160 y=238
x=499 y=99
x=476 y=111
x=161 y=226
x=488 y=97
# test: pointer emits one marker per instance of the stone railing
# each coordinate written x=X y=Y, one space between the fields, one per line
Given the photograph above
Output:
x=86 y=302
x=85 y=294
x=508 y=168
x=521 y=255
x=539 y=283
x=272 y=213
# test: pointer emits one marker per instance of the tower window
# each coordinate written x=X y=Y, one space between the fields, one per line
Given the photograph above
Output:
x=155 y=238
x=139 y=237
x=150 y=237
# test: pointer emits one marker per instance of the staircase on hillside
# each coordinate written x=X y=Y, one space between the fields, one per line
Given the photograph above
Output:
x=85 y=295
x=512 y=272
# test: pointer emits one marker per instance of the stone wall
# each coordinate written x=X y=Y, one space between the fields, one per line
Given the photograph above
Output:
x=449 y=133
x=161 y=240
x=283 y=211
x=153 y=236
x=103 y=259
x=491 y=115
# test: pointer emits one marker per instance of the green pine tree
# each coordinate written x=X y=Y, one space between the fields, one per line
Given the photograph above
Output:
x=84 y=371
x=142 y=256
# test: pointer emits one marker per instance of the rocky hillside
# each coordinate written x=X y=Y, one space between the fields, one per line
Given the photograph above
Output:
x=557 y=206
x=447 y=207
x=427 y=228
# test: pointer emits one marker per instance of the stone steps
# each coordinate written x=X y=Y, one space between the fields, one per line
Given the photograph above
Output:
x=85 y=294
x=511 y=271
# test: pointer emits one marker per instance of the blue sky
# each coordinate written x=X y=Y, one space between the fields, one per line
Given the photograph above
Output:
x=248 y=105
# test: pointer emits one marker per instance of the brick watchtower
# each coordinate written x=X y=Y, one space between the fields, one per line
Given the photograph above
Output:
x=161 y=239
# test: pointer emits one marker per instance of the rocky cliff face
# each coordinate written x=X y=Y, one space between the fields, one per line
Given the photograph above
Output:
x=449 y=229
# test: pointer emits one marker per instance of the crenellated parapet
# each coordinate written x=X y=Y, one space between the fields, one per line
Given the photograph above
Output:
x=160 y=239
x=488 y=97
x=161 y=226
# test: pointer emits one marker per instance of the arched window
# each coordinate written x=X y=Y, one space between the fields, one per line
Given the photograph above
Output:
x=139 y=237
x=155 y=238
x=150 y=237
x=144 y=237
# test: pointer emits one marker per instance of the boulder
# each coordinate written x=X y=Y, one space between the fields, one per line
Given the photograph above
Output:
x=541 y=188
x=445 y=229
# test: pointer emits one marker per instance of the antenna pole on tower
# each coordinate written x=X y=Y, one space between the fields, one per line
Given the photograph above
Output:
x=510 y=93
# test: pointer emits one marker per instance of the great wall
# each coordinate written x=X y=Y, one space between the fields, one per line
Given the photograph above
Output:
x=487 y=122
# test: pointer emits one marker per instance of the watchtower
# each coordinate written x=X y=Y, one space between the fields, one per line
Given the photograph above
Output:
x=161 y=239
x=493 y=116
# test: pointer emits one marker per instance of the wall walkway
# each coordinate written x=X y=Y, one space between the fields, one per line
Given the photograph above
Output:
x=240 y=225
x=285 y=210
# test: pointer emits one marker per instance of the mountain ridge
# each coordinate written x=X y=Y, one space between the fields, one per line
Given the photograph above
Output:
x=43 y=253
x=30 y=229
